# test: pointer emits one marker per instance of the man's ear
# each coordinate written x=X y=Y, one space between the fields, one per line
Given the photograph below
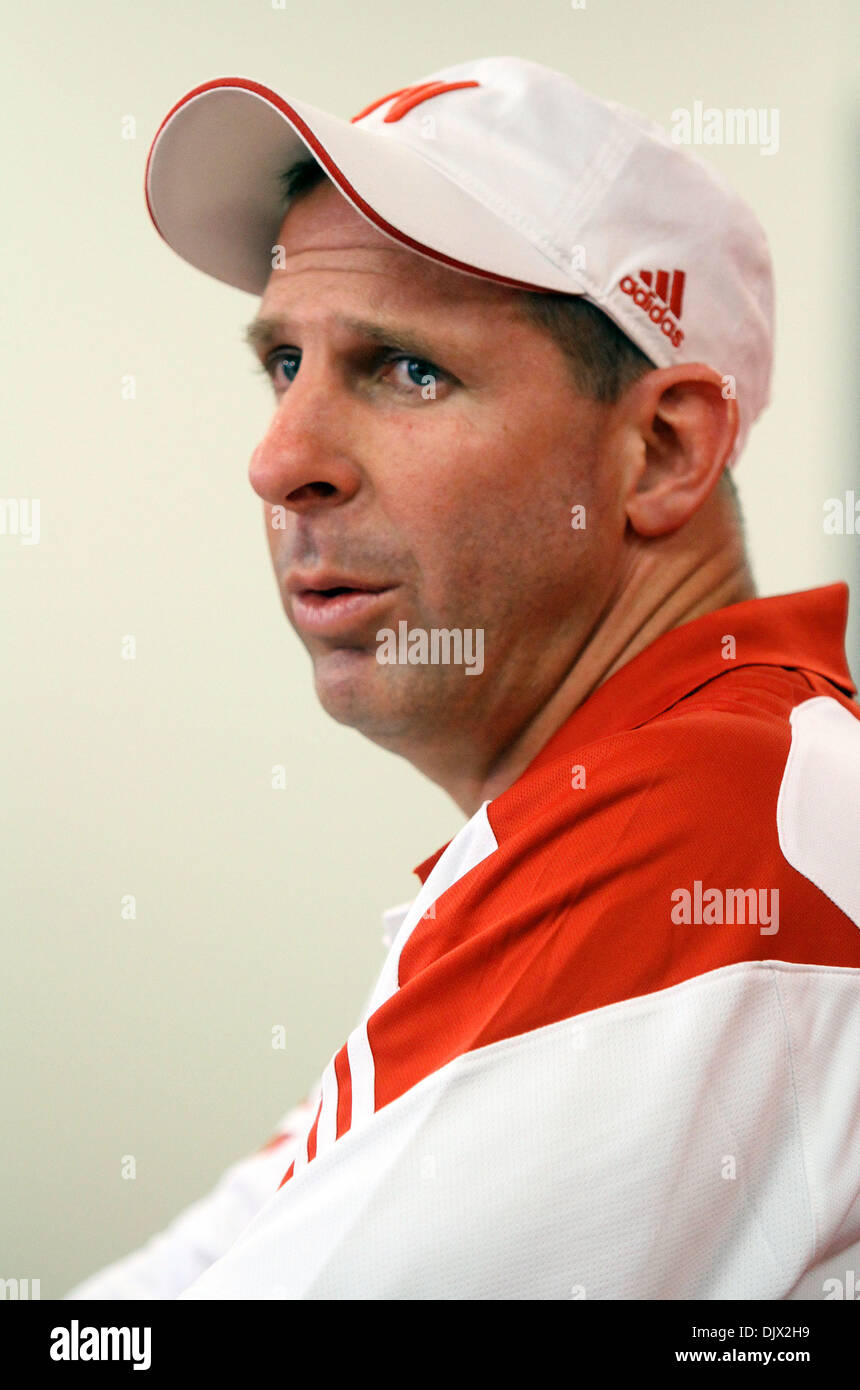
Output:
x=684 y=430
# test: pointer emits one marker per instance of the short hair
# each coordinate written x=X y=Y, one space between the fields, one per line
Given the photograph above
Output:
x=603 y=360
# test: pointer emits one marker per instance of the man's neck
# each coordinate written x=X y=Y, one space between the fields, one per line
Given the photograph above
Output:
x=667 y=586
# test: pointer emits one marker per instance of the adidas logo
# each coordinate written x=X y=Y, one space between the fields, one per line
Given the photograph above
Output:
x=660 y=297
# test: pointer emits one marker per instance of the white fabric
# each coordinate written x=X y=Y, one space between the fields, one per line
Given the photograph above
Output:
x=472 y=843
x=173 y=1259
x=818 y=811
x=701 y=1142
x=524 y=176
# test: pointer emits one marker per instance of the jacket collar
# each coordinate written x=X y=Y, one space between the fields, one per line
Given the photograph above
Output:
x=804 y=631
x=801 y=631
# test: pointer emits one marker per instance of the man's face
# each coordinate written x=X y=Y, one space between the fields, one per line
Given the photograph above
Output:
x=427 y=443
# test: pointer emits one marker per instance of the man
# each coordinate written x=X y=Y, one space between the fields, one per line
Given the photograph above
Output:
x=515 y=339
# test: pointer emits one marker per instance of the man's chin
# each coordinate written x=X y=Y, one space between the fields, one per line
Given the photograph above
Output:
x=355 y=690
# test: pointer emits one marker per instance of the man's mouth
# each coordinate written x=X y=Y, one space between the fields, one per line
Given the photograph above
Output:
x=338 y=589
x=332 y=610
x=323 y=581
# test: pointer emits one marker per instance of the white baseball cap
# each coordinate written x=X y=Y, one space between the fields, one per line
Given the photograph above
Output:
x=499 y=167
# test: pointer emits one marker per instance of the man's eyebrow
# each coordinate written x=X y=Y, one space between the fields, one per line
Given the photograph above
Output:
x=260 y=333
x=263 y=333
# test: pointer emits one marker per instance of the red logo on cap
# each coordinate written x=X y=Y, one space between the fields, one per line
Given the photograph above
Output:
x=659 y=298
x=405 y=98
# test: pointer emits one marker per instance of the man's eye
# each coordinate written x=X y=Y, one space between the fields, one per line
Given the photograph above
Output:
x=415 y=371
x=288 y=359
x=412 y=375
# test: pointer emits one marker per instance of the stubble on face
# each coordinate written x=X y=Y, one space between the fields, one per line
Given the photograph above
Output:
x=462 y=502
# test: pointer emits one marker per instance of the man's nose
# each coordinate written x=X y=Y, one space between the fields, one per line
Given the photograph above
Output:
x=303 y=461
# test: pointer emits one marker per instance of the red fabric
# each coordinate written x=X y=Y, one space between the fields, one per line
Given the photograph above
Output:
x=287 y=1175
x=404 y=98
x=683 y=753
x=344 y=1092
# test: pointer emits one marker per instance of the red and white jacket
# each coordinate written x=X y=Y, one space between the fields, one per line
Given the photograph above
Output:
x=614 y=1049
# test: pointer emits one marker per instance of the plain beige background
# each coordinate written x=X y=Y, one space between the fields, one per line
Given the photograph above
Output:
x=152 y=777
